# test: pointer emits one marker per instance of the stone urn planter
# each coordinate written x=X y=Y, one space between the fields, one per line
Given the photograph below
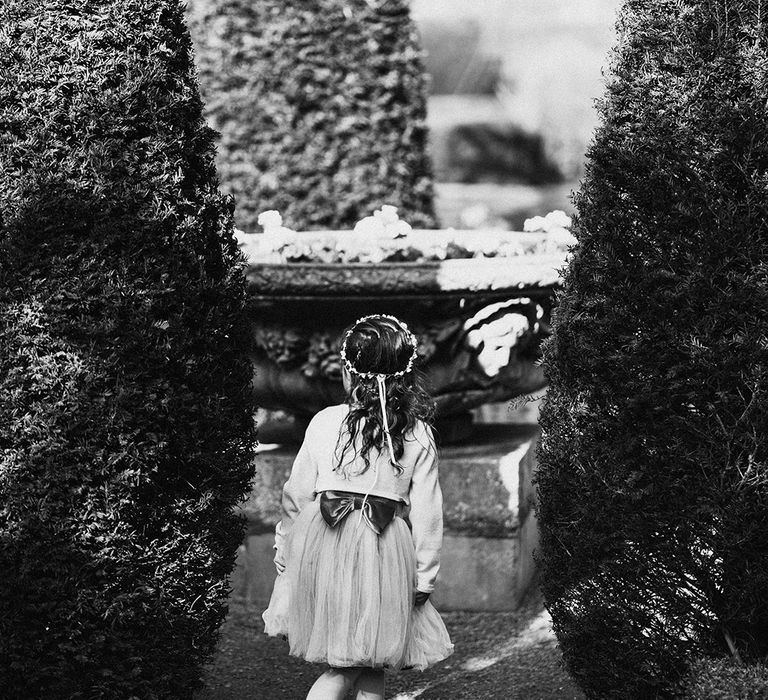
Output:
x=479 y=303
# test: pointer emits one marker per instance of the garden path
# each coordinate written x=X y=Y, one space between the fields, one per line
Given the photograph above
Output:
x=499 y=656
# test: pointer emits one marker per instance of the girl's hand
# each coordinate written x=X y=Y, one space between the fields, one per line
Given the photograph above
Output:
x=420 y=598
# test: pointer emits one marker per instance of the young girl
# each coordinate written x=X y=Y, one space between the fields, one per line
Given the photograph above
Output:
x=358 y=547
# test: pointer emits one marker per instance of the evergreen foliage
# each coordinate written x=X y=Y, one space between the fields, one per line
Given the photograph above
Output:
x=722 y=679
x=654 y=455
x=321 y=107
x=126 y=421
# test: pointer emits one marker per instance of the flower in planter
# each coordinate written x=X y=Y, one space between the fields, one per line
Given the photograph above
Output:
x=556 y=224
x=554 y=220
x=385 y=222
x=270 y=220
x=384 y=237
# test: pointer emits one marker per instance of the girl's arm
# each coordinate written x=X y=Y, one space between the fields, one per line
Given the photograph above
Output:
x=297 y=492
x=426 y=515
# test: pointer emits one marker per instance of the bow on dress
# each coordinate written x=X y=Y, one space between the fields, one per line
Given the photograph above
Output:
x=376 y=511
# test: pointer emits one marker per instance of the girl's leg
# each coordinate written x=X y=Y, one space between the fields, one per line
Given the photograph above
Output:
x=334 y=684
x=370 y=684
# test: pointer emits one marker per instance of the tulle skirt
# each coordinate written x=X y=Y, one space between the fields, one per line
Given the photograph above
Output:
x=346 y=596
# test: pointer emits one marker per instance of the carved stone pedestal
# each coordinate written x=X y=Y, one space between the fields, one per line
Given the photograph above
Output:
x=479 y=321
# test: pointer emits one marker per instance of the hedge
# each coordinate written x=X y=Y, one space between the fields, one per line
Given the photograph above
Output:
x=654 y=456
x=724 y=679
x=126 y=431
x=321 y=107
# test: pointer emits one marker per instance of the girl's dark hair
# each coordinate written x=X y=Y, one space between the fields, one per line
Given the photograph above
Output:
x=380 y=345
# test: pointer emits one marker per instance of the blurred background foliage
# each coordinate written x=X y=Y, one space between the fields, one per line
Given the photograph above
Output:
x=509 y=110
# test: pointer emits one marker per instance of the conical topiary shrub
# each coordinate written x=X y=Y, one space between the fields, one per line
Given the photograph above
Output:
x=321 y=108
x=654 y=474
x=125 y=418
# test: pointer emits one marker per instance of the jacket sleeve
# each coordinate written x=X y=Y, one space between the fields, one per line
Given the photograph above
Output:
x=426 y=515
x=297 y=492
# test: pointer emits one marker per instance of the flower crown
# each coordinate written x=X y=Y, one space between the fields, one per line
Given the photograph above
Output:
x=370 y=375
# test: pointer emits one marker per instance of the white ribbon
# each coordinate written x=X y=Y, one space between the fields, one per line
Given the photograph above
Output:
x=381 y=382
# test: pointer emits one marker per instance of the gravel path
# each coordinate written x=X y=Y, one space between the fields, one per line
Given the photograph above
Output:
x=504 y=656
